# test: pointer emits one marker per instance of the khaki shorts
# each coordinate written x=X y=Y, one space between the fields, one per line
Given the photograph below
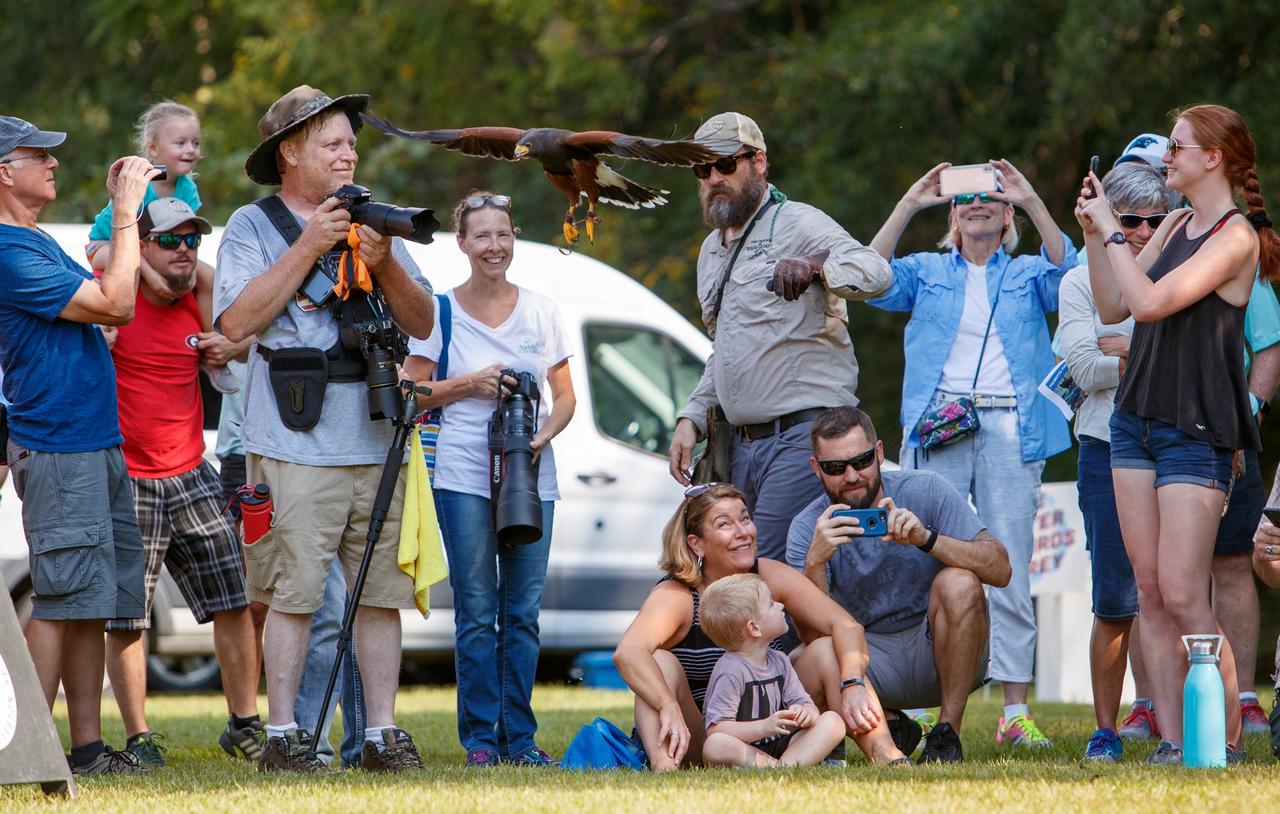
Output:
x=903 y=670
x=321 y=511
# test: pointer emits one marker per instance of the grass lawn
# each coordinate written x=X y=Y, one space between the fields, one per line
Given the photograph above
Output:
x=203 y=780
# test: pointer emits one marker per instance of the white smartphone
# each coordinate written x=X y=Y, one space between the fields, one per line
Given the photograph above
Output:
x=968 y=178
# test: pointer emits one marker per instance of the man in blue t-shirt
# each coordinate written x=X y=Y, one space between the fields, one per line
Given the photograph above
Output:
x=64 y=436
x=917 y=591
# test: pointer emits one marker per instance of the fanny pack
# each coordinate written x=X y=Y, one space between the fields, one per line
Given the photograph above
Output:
x=956 y=420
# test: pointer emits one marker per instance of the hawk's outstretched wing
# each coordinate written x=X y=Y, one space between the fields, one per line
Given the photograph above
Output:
x=484 y=142
x=679 y=152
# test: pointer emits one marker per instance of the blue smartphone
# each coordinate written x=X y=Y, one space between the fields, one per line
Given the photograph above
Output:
x=874 y=522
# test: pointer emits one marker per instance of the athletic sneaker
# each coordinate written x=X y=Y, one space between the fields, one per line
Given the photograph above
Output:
x=289 y=754
x=482 y=758
x=245 y=742
x=1104 y=747
x=942 y=745
x=534 y=757
x=1274 y=720
x=108 y=761
x=1253 y=718
x=1020 y=730
x=1166 y=754
x=905 y=731
x=924 y=717
x=398 y=753
x=1140 y=724
x=1235 y=755
x=147 y=748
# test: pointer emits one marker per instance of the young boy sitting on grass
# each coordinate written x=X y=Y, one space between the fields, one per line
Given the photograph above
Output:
x=756 y=711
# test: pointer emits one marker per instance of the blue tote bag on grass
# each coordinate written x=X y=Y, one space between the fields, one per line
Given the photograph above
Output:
x=601 y=745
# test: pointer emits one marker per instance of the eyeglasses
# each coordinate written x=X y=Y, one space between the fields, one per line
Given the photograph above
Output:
x=170 y=242
x=969 y=197
x=860 y=461
x=1130 y=221
x=43 y=157
x=478 y=201
x=725 y=166
x=1175 y=146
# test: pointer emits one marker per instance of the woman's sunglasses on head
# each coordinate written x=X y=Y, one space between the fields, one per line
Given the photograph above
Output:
x=479 y=201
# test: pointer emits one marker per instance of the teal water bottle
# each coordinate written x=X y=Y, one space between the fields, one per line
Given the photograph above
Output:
x=1204 y=714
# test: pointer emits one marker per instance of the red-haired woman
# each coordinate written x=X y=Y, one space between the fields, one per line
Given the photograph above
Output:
x=1182 y=410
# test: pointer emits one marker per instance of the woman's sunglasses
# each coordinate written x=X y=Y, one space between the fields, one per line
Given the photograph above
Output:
x=1131 y=221
x=860 y=461
x=970 y=197
x=479 y=201
x=725 y=166
x=170 y=242
x=1175 y=146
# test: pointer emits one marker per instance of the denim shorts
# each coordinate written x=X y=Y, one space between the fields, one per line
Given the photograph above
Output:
x=1146 y=443
x=1115 y=592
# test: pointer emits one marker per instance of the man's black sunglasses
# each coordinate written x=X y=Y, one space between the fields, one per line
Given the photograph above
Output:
x=169 y=241
x=725 y=166
x=859 y=461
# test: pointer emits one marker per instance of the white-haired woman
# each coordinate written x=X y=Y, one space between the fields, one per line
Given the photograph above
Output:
x=978 y=330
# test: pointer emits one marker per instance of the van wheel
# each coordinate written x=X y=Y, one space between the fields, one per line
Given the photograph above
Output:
x=189 y=673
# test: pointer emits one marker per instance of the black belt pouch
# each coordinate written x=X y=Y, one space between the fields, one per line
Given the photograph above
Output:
x=298 y=378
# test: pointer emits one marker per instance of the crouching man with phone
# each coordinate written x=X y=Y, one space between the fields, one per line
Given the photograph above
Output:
x=917 y=590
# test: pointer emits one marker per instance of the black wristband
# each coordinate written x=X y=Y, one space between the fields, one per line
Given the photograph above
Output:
x=852 y=682
x=927 y=545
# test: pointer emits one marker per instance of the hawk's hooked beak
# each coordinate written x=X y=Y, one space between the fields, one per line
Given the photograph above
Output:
x=521 y=150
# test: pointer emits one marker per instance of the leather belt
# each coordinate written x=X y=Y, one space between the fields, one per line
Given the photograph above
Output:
x=985 y=402
x=768 y=429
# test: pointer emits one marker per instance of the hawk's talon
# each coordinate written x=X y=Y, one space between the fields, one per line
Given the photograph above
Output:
x=570 y=232
x=590 y=223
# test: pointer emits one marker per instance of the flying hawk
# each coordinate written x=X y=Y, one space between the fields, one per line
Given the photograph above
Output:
x=570 y=161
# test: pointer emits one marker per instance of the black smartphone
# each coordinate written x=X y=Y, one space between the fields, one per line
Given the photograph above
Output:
x=1273 y=514
x=1093 y=168
x=874 y=522
x=164 y=172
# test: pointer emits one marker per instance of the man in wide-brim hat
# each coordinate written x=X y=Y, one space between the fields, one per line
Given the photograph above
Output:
x=313 y=443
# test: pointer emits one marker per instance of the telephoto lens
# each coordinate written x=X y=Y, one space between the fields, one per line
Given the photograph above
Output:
x=517 y=508
x=383 y=384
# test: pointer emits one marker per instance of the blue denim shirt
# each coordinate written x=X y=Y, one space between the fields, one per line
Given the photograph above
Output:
x=931 y=286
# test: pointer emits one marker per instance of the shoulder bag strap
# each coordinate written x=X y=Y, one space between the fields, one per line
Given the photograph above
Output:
x=281 y=218
x=724 y=278
x=987 y=334
x=444 y=313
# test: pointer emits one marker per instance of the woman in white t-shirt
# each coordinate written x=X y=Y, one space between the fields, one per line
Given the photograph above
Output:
x=494 y=326
x=978 y=330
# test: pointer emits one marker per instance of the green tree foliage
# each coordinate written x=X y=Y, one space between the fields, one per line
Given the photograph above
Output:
x=856 y=99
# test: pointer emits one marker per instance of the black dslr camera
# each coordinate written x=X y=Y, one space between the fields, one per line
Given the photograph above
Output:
x=409 y=222
x=513 y=475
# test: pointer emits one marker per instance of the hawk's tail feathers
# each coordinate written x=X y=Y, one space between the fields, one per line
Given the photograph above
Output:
x=619 y=190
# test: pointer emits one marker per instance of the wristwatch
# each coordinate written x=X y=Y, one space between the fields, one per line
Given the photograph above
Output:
x=1116 y=238
x=852 y=682
x=928 y=544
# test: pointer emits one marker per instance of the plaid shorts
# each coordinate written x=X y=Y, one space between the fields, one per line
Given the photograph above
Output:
x=184 y=528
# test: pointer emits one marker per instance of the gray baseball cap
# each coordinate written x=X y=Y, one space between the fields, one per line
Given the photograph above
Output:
x=15 y=133
x=164 y=214
x=727 y=133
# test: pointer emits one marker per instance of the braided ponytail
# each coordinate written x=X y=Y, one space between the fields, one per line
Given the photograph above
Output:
x=1268 y=240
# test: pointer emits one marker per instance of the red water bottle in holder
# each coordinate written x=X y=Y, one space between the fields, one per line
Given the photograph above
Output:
x=255 y=510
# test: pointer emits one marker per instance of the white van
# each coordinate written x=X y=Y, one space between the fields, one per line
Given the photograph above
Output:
x=635 y=362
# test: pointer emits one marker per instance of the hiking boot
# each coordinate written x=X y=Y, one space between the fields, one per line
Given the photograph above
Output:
x=1166 y=754
x=1020 y=730
x=398 y=753
x=243 y=742
x=1104 y=747
x=147 y=748
x=905 y=731
x=1253 y=718
x=108 y=761
x=1140 y=724
x=289 y=754
x=942 y=745
x=1274 y=721
x=534 y=757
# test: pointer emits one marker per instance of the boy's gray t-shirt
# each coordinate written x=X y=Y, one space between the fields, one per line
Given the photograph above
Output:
x=741 y=691
x=345 y=435
x=883 y=585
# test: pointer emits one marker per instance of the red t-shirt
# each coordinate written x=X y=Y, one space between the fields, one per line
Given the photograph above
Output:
x=158 y=384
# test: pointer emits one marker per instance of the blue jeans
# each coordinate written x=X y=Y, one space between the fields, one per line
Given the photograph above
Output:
x=775 y=476
x=988 y=466
x=325 y=625
x=496 y=595
x=1115 y=591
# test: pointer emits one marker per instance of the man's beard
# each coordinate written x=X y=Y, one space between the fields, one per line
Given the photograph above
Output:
x=725 y=214
x=179 y=284
x=868 y=498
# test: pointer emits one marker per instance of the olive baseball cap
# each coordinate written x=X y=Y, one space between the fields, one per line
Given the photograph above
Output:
x=164 y=214
x=286 y=114
x=727 y=133
x=15 y=133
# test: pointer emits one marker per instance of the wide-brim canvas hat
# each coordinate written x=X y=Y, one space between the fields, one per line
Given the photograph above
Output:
x=286 y=114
